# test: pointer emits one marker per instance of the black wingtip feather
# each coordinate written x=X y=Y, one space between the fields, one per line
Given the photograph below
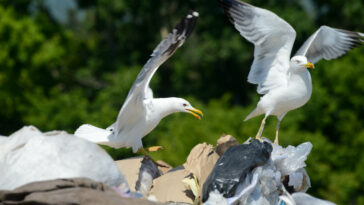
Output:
x=355 y=38
x=187 y=24
x=227 y=5
x=183 y=30
x=232 y=7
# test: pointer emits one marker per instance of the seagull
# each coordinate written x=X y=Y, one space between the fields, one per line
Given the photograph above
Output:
x=141 y=113
x=284 y=82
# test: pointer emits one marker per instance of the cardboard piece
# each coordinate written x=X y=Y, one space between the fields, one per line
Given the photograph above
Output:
x=130 y=168
x=201 y=161
x=170 y=188
x=165 y=169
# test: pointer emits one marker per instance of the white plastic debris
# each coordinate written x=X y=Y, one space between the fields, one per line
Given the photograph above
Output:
x=244 y=190
x=296 y=180
x=290 y=159
x=29 y=155
x=265 y=184
x=216 y=198
x=306 y=199
x=300 y=198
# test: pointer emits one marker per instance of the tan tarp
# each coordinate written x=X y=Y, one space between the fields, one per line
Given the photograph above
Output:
x=67 y=191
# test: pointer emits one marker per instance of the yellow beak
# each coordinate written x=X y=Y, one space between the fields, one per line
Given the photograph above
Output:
x=310 y=65
x=195 y=112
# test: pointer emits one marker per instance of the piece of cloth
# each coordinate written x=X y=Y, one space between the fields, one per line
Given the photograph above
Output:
x=68 y=191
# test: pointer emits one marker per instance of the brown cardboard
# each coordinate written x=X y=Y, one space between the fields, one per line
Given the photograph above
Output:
x=170 y=188
x=130 y=168
x=201 y=161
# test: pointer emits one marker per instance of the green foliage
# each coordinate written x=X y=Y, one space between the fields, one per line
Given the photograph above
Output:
x=58 y=75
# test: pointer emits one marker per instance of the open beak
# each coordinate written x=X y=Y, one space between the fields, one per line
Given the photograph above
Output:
x=195 y=112
x=310 y=65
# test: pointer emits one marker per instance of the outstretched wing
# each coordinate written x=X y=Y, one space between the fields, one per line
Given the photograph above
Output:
x=329 y=43
x=140 y=89
x=164 y=50
x=273 y=39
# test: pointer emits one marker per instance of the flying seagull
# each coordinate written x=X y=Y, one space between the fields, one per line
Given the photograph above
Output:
x=284 y=83
x=141 y=113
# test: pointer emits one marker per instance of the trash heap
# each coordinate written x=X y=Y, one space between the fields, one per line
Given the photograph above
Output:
x=261 y=173
x=257 y=173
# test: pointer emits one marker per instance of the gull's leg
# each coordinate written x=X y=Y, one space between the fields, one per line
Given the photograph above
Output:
x=277 y=128
x=146 y=154
x=259 y=134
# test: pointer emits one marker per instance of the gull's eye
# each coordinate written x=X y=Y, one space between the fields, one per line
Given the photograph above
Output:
x=184 y=105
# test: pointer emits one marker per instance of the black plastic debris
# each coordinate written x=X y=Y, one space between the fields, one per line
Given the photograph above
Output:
x=233 y=166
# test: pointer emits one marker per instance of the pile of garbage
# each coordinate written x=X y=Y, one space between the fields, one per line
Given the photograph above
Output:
x=56 y=167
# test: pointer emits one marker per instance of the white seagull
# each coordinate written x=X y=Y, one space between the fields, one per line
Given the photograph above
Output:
x=141 y=113
x=284 y=83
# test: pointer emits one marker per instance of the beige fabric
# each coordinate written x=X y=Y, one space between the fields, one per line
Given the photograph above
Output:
x=67 y=191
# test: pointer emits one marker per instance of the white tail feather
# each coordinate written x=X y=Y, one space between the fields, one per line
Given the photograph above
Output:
x=93 y=134
x=254 y=113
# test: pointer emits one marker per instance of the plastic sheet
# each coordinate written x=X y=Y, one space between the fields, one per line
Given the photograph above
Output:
x=289 y=159
x=30 y=155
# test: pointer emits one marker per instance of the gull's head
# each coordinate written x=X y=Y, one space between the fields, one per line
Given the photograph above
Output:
x=182 y=105
x=300 y=63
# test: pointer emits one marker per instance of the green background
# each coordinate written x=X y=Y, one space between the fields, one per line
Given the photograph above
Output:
x=61 y=70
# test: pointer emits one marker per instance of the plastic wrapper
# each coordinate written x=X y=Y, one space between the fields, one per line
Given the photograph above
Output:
x=29 y=155
x=290 y=159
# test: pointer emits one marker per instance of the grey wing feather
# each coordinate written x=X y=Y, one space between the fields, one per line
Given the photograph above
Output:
x=273 y=39
x=140 y=89
x=329 y=43
x=164 y=50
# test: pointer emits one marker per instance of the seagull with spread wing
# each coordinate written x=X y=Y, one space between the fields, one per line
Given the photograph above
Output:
x=141 y=113
x=284 y=82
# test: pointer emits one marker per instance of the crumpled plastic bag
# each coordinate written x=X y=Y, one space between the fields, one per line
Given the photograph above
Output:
x=29 y=155
x=290 y=159
x=300 y=198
